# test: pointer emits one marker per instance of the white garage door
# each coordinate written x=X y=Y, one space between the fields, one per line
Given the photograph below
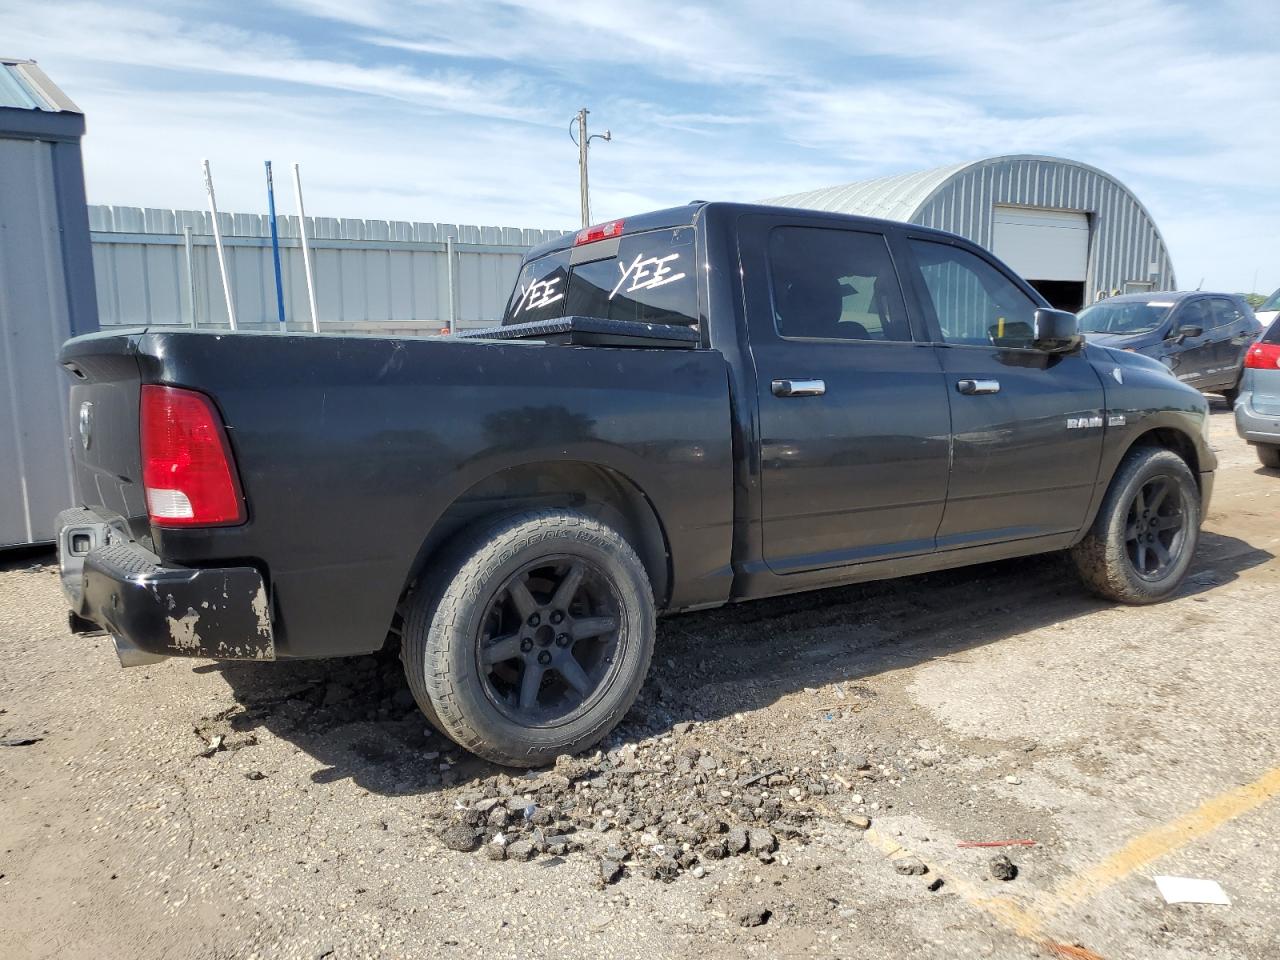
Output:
x=1042 y=244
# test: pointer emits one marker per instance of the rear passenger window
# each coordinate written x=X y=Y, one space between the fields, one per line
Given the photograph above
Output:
x=647 y=277
x=835 y=285
x=1225 y=312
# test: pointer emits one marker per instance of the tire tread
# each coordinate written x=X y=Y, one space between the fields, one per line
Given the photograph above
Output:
x=430 y=627
x=1100 y=558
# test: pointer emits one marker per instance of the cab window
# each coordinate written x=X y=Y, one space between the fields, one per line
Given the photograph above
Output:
x=648 y=277
x=835 y=285
x=975 y=303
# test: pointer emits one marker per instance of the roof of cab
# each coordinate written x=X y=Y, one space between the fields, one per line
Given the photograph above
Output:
x=691 y=212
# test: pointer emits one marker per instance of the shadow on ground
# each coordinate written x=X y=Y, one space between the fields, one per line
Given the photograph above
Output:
x=357 y=716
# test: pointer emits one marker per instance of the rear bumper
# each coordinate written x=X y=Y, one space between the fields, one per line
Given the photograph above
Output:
x=155 y=611
x=1254 y=426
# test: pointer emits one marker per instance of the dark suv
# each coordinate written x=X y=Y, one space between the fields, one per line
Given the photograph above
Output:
x=1201 y=337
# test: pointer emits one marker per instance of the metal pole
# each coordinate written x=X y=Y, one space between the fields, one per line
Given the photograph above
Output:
x=217 y=240
x=583 y=190
x=191 y=273
x=275 y=247
x=306 y=251
x=453 y=286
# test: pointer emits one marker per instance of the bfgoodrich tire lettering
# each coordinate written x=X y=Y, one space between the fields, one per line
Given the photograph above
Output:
x=1143 y=539
x=533 y=637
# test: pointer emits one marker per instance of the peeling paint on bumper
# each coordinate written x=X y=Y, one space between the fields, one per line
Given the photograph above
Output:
x=220 y=613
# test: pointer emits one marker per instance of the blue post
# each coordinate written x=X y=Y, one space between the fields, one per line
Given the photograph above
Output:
x=275 y=247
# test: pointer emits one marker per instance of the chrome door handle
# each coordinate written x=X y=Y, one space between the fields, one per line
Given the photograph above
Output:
x=799 y=388
x=973 y=387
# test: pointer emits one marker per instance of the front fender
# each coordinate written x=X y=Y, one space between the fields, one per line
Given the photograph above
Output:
x=1145 y=403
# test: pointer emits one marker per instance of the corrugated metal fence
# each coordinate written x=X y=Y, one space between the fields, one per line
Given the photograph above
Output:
x=372 y=276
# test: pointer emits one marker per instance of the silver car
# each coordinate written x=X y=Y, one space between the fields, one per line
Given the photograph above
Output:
x=1258 y=404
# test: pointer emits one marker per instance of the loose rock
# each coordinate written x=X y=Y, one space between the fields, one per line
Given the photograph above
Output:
x=911 y=867
x=1002 y=868
x=762 y=841
x=610 y=871
x=459 y=837
x=521 y=850
x=737 y=840
x=753 y=917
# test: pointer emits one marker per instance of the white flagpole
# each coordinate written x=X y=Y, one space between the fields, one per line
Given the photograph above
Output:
x=306 y=251
x=217 y=242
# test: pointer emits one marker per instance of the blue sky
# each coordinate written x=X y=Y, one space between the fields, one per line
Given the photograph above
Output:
x=459 y=111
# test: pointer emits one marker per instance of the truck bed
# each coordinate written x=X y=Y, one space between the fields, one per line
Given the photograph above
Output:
x=350 y=450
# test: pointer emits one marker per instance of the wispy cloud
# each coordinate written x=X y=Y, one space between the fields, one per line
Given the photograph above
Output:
x=431 y=109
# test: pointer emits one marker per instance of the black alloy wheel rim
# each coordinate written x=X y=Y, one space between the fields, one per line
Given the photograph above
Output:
x=549 y=642
x=1155 y=530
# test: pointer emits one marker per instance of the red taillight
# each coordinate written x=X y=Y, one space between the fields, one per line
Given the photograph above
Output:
x=601 y=231
x=186 y=462
x=1263 y=356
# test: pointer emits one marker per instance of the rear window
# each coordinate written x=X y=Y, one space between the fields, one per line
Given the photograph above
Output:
x=1273 y=332
x=648 y=277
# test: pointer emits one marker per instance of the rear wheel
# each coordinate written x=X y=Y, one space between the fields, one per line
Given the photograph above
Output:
x=534 y=639
x=1230 y=395
x=1142 y=541
x=1269 y=454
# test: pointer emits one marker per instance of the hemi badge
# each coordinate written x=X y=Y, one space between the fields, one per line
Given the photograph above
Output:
x=1116 y=420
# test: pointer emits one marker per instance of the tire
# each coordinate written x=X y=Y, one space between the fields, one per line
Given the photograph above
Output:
x=1230 y=395
x=507 y=667
x=1269 y=454
x=1117 y=561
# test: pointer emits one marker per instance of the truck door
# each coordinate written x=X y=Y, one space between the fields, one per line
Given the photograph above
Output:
x=853 y=419
x=1026 y=426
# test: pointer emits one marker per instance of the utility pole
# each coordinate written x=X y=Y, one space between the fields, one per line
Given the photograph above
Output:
x=584 y=142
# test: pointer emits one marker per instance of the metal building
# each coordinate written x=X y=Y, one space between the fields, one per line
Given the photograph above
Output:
x=1076 y=233
x=46 y=295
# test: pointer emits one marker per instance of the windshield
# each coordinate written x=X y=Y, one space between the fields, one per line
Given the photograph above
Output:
x=1124 y=318
x=1271 y=303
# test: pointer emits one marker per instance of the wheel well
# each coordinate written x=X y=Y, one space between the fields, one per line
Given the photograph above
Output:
x=1175 y=441
x=587 y=487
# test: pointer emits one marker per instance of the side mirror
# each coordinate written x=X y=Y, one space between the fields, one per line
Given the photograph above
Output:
x=1056 y=331
x=1187 y=330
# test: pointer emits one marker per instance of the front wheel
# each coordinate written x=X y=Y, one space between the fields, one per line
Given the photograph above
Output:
x=1269 y=454
x=1142 y=541
x=534 y=638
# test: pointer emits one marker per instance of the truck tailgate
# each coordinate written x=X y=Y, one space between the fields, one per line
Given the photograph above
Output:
x=104 y=427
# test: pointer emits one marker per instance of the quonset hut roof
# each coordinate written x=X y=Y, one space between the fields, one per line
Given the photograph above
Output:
x=890 y=198
x=1125 y=243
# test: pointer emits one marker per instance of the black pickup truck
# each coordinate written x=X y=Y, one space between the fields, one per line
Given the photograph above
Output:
x=693 y=407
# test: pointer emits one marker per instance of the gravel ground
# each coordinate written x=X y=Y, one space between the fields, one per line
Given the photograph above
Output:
x=794 y=781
